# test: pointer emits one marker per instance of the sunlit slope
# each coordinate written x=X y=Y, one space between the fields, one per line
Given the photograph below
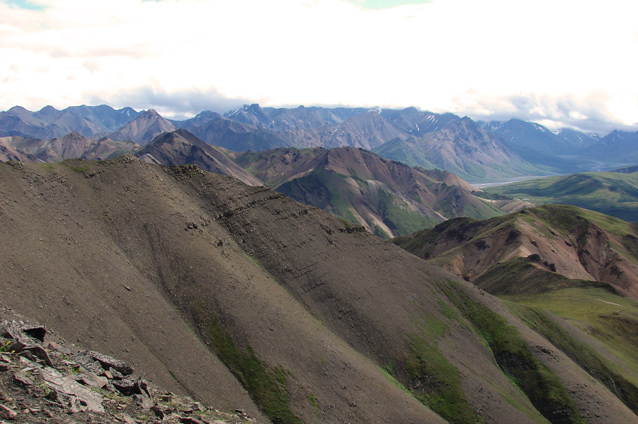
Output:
x=294 y=315
x=611 y=193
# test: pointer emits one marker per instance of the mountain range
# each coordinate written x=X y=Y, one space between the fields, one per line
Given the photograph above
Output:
x=47 y=123
x=70 y=146
x=386 y=197
x=476 y=151
x=246 y=299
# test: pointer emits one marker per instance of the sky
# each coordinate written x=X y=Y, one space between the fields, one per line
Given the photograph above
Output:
x=562 y=63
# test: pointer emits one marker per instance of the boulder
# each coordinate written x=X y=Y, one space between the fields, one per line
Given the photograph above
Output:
x=87 y=399
x=7 y=413
x=106 y=362
x=91 y=379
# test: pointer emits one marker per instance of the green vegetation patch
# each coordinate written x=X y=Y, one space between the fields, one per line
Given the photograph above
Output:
x=265 y=386
x=582 y=354
x=397 y=216
x=567 y=220
x=321 y=189
x=424 y=241
x=610 y=193
x=313 y=400
x=78 y=168
x=609 y=318
x=387 y=371
x=48 y=166
x=512 y=354
x=436 y=382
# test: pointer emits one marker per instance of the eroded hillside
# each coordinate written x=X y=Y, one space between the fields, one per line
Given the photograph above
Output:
x=244 y=298
x=568 y=272
x=573 y=242
x=386 y=197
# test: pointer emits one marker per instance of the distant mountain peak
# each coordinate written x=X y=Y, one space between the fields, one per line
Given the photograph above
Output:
x=48 y=108
x=18 y=109
x=127 y=111
x=143 y=128
x=207 y=113
x=180 y=147
x=74 y=135
x=151 y=112
x=247 y=108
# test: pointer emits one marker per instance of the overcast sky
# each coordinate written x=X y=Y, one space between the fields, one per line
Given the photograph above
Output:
x=557 y=62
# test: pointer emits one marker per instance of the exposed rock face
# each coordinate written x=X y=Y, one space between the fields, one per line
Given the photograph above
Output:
x=60 y=386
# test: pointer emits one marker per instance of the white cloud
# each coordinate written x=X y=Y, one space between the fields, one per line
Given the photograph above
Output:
x=469 y=57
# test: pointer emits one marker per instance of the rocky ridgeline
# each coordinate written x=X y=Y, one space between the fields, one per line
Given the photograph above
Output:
x=45 y=381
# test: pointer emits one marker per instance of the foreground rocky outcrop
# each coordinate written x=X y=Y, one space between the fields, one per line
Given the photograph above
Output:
x=45 y=380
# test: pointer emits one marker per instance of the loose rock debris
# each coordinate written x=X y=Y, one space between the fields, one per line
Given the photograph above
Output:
x=44 y=381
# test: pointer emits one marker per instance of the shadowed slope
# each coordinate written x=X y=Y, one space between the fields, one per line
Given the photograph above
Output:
x=182 y=148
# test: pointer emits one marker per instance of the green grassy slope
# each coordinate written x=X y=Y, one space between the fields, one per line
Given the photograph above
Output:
x=610 y=319
x=597 y=327
x=332 y=193
x=610 y=193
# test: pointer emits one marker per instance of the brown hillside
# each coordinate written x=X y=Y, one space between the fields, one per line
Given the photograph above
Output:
x=386 y=197
x=204 y=282
x=8 y=152
x=573 y=242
